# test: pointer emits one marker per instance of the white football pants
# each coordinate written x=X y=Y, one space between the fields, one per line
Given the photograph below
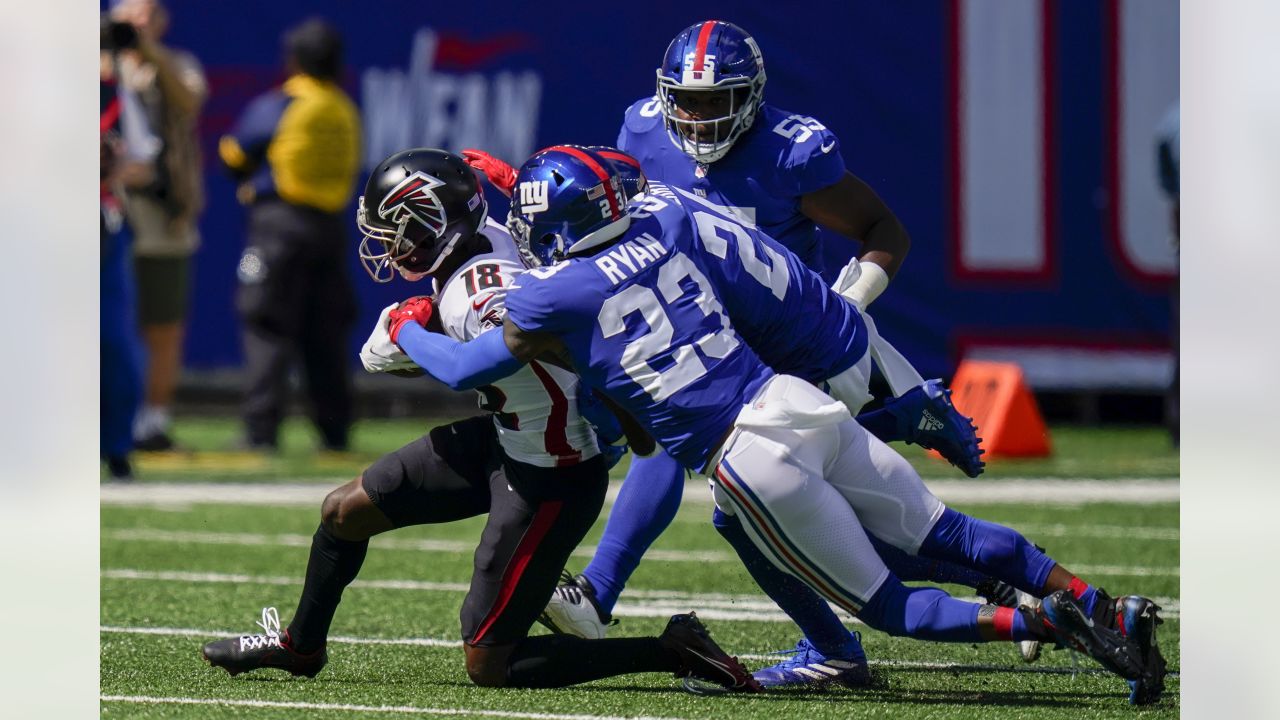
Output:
x=806 y=479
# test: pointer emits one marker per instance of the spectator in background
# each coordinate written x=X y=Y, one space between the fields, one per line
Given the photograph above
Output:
x=295 y=151
x=120 y=358
x=1167 y=169
x=163 y=198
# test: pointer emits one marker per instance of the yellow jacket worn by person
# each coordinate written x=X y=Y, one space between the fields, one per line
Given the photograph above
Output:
x=300 y=142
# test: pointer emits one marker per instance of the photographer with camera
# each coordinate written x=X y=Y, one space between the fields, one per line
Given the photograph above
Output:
x=163 y=197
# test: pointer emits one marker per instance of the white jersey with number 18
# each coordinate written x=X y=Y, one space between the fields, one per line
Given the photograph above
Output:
x=535 y=409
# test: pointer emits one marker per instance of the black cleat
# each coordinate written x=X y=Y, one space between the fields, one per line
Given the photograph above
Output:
x=998 y=592
x=250 y=652
x=701 y=658
x=119 y=468
x=1136 y=619
x=1064 y=617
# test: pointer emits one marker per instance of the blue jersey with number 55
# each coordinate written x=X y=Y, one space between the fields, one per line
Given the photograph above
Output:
x=642 y=322
x=780 y=158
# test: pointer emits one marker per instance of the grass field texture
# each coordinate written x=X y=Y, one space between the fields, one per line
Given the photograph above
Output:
x=1079 y=452
x=176 y=576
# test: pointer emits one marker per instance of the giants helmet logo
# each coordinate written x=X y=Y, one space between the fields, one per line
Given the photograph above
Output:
x=533 y=197
x=415 y=198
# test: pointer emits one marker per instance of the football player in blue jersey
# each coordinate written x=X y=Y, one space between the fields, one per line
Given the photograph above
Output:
x=707 y=130
x=828 y=653
x=647 y=304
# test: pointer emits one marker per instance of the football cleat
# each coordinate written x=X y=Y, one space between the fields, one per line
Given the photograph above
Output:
x=1136 y=619
x=927 y=418
x=266 y=650
x=573 y=610
x=808 y=666
x=1067 y=620
x=702 y=658
x=998 y=592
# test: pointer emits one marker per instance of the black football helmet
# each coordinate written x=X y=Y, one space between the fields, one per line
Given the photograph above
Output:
x=417 y=205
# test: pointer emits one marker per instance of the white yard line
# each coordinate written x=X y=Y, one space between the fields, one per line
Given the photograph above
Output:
x=396 y=709
x=1012 y=491
x=635 y=603
x=463 y=547
x=446 y=643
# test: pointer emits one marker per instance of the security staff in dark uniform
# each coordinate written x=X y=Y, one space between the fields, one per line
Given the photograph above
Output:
x=296 y=152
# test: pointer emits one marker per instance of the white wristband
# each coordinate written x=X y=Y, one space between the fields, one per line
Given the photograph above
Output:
x=872 y=281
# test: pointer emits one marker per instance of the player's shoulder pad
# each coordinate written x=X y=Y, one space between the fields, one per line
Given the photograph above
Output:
x=795 y=139
x=643 y=115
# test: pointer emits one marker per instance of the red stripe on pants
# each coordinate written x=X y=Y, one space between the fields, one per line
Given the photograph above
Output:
x=543 y=519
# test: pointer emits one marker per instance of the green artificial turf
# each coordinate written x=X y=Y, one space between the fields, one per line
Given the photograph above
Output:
x=176 y=577
x=209 y=454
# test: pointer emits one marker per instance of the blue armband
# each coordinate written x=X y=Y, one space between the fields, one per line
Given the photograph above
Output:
x=461 y=366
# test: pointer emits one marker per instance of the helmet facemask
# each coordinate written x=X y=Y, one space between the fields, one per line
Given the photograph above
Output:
x=709 y=139
x=549 y=248
x=384 y=250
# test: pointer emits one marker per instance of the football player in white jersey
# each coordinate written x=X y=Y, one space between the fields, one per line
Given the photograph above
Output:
x=532 y=465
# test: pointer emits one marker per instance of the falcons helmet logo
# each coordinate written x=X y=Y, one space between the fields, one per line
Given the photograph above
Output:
x=415 y=198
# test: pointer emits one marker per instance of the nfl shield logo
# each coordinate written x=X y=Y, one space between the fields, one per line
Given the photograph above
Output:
x=700 y=171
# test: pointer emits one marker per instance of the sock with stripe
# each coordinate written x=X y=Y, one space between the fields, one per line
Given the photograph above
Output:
x=333 y=564
x=1085 y=593
x=1016 y=624
x=998 y=551
x=927 y=613
x=548 y=661
x=646 y=505
x=804 y=606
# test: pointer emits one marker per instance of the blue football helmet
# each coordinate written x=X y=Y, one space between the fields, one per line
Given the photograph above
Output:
x=567 y=199
x=710 y=57
x=634 y=181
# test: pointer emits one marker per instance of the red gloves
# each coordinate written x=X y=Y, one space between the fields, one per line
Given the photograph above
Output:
x=500 y=174
x=414 y=310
